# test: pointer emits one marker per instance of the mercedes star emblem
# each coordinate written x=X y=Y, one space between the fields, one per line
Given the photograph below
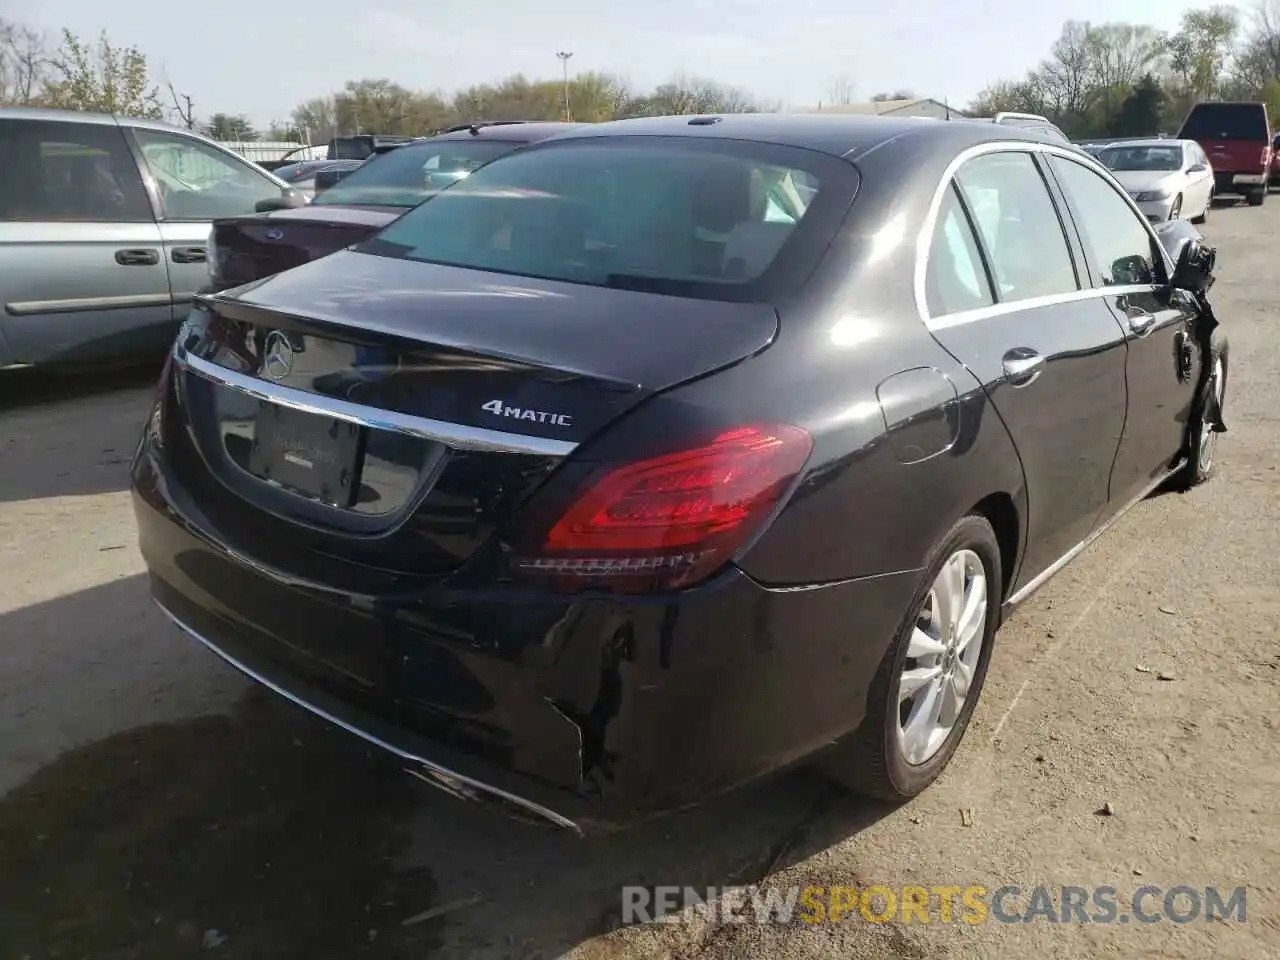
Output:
x=277 y=361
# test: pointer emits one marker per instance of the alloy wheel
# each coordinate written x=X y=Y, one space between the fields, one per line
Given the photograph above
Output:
x=942 y=656
x=1208 y=437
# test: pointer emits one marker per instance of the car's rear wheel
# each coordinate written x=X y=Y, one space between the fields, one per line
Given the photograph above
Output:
x=1258 y=197
x=928 y=683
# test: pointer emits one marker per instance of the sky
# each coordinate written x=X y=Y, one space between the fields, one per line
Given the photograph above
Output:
x=261 y=59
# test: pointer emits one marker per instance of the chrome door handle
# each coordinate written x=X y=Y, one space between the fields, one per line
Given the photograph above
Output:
x=1022 y=366
x=1141 y=323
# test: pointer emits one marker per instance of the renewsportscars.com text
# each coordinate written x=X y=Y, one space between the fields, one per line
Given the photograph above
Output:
x=971 y=904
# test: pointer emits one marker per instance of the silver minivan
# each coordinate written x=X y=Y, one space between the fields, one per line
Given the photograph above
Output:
x=103 y=230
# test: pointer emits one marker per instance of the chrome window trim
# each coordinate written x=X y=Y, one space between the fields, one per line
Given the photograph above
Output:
x=924 y=240
x=454 y=435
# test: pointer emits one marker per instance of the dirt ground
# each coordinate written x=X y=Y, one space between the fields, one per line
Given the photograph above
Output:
x=153 y=804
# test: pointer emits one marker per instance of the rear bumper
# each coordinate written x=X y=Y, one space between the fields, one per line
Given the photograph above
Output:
x=1238 y=182
x=591 y=714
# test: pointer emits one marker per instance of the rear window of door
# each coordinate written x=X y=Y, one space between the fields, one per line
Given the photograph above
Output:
x=200 y=182
x=1226 y=121
x=1118 y=241
x=955 y=276
x=1018 y=223
x=69 y=172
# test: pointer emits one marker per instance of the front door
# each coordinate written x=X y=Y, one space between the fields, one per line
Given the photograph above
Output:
x=196 y=182
x=82 y=276
x=1006 y=301
x=1164 y=362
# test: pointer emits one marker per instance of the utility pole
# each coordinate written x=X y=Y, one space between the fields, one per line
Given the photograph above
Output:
x=564 y=56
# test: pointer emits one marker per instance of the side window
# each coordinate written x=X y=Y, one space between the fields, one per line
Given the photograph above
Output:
x=197 y=181
x=1117 y=238
x=1019 y=226
x=955 y=278
x=69 y=172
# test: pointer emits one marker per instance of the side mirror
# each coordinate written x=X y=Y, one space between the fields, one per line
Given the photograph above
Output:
x=1131 y=271
x=1193 y=269
x=288 y=200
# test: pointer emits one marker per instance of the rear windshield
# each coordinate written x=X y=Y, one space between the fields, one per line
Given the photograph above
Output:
x=406 y=175
x=1226 y=121
x=689 y=217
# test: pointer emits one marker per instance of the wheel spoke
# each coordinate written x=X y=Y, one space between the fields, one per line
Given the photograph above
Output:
x=949 y=704
x=913 y=680
x=961 y=679
x=921 y=724
x=922 y=646
x=974 y=616
x=950 y=591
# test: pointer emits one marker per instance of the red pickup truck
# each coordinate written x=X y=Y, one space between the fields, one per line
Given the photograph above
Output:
x=1237 y=138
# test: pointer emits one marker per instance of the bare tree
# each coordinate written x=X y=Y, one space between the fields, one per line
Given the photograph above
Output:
x=841 y=93
x=24 y=62
x=182 y=106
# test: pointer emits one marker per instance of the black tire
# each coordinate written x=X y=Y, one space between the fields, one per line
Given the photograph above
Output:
x=1202 y=444
x=870 y=761
x=1257 y=197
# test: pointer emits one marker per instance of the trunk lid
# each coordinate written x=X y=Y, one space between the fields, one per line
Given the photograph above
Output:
x=471 y=388
x=253 y=247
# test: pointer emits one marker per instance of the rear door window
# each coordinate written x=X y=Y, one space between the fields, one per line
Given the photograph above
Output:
x=69 y=172
x=955 y=277
x=1226 y=121
x=702 y=218
x=1019 y=226
x=1117 y=238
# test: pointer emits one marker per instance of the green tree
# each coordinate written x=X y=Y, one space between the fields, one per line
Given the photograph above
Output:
x=1142 y=112
x=226 y=127
x=101 y=78
x=1199 y=51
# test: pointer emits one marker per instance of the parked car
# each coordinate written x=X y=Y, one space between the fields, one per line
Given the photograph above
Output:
x=665 y=453
x=103 y=225
x=365 y=199
x=302 y=176
x=1236 y=137
x=297 y=155
x=1167 y=178
x=1273 y=174
x=1029 y=121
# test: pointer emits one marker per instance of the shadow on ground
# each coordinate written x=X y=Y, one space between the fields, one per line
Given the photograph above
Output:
x=289 y=838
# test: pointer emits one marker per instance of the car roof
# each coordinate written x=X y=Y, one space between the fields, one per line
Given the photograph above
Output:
x=840 y=135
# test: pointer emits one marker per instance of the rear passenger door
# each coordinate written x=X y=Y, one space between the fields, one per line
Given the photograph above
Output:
x=81 y=275
x=1004 y=296
x=1127 y=268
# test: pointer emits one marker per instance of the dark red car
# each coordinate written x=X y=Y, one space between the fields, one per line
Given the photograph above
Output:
x=1274 y=176
x=248 y=248
x=1236 y=136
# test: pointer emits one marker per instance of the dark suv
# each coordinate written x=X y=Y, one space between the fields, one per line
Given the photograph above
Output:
x=247 y=248
x=1236 y=136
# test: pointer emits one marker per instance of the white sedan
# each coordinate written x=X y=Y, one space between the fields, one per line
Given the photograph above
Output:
x=1168 y=179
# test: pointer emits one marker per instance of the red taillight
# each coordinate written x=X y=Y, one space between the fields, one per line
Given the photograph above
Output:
x=669 y=521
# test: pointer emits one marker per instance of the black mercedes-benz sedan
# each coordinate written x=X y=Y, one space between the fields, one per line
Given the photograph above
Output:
x=664 y=454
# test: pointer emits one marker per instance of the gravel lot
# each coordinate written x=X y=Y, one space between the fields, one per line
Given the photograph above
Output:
x=153 y=805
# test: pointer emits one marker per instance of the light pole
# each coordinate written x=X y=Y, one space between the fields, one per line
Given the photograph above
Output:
x=564 y=56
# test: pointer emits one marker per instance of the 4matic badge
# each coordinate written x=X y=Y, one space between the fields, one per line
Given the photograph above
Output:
x=500 y=409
